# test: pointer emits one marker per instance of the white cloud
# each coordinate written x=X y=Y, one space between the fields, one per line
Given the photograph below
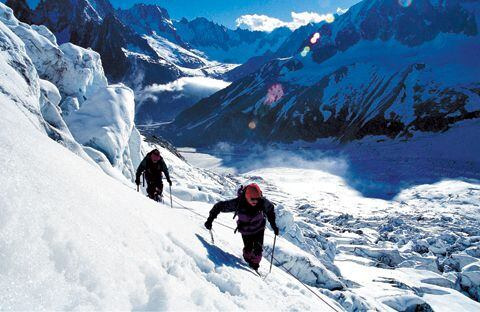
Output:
x=259 y=22
x=267 y=23
x=300 y=19
x=198 y=87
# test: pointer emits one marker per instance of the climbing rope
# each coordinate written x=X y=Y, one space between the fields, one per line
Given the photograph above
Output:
x=279 y=264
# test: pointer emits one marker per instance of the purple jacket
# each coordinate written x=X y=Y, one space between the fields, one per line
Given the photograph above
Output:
x=251 y=220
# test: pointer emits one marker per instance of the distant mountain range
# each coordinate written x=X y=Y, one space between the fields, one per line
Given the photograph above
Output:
x=379 y=69
x=229 y=46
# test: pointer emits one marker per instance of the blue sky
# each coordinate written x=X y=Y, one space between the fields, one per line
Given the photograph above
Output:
x=226 y=12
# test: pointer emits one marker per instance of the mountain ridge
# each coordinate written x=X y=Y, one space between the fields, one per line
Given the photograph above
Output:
x=342 y=87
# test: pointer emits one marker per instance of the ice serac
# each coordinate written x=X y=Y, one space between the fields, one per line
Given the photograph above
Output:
x=105 y=123
x=38 y=99
x=62 y=82
x=22 y=85
x=379 y=69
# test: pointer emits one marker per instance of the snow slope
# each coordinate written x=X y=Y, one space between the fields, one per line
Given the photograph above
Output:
x=113 y=249
x=71 y=237
x=74 y=238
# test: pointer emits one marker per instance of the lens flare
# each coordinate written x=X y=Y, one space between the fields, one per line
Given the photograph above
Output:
x=405 y=3
x=330 y=18
x=252 y=125
x=305 y=51
x=274 y=93
x=315 y=38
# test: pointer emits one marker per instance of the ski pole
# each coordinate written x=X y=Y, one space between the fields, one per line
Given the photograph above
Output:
x=143 y=179
x=273 y=250
x=211 y=235
x=171 y=201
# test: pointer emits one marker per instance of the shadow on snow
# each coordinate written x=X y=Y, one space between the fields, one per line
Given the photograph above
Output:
x=220 y=257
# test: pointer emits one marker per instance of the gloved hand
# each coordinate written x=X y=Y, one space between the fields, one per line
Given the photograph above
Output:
x=275 y=229
x=169 y=182
x=208 y=224
x=137 y=181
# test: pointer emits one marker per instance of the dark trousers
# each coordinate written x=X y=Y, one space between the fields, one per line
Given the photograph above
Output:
x=155 y=190
x=253 y=248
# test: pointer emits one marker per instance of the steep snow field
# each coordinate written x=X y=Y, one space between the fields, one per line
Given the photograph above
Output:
x=74 y=234
x=74 y=238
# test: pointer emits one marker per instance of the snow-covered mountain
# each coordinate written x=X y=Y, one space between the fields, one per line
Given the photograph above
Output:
x=148 y=19
x=225 y=45
x=72 y=21
x=125 y=54
x=73 y=238
x=379 y=69
x=138 y=46
x=289 y=46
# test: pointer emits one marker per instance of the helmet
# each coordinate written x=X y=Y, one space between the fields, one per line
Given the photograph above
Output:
x=253 y=193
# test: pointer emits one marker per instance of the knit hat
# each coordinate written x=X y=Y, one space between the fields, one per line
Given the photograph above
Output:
x=155 y=155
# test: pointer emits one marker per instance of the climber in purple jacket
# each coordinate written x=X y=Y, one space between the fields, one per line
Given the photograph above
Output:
x=251 y=208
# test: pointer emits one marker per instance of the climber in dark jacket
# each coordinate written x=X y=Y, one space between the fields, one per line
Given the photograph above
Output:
x=153 y=166
x=251 y=208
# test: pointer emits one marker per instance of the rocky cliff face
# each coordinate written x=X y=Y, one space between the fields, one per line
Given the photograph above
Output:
x=21 y=9
x=150 y=19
